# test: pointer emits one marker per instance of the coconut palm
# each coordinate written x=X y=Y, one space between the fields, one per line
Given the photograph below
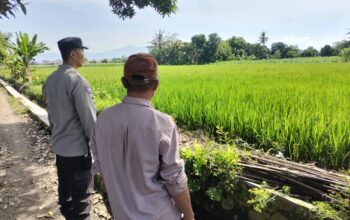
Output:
x=27 y=49
x=263 y=38
x=158 y=41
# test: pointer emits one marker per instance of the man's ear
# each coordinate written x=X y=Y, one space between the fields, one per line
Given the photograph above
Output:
x=155 y=84
x=124 y=82
x=72 y=54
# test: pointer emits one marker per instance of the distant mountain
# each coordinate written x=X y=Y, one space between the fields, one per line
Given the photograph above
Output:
x=116 y=53
x=48 y=56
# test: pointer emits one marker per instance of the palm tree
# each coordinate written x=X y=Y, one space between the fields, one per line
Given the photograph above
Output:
x=159 y=40
x=263 y=38
x=27 y=49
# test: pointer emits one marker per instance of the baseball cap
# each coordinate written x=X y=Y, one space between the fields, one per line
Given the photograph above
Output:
x=70 y=43
x=141 y=69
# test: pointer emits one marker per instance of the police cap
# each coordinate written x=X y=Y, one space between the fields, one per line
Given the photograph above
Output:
x=70 y=43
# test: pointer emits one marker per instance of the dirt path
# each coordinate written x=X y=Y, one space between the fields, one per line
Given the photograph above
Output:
x=28 y=182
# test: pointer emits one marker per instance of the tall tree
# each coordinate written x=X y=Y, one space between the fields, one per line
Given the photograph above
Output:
x=279 y=50
x=292 y=52
x=158 y=41
x=260 y=51
x=198 y=43
x=342 y=45
x=27 y=49
x=126 y=8
x=263 y=38
x=238 y=45
x=210 y=53
x=9 y=7
x=310 y=52
x=224 y=51
x=327 y=51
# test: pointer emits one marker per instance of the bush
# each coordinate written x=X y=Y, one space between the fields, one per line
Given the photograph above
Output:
x=345 y=53
x=213 y=174
x=338 y=208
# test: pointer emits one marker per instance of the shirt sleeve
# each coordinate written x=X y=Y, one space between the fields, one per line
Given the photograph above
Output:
x=84 y=106
x=95 y=169
x=172 y=170
x=43 y=90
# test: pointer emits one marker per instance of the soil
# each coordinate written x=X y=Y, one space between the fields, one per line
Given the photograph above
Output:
x=28 y=180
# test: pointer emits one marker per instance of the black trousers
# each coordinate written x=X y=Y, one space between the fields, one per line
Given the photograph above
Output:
x=74 y=187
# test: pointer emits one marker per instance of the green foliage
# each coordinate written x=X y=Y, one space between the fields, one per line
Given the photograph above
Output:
x=14 y=64
x=328 y=51
x=222 y=136
x=212 y=171
x=263 y=38
x=285 y=190
x=4 y=45
x=126 y=8
x=210 y=53
x=310 y=52
x=9 y=7
x=224 y=51
x=324 y=210
x=27 y=49
x=345 y=54
x=338 y=208
x=260 y=197
x=238 y=46
x=294 y=106
x=280 y=49
x=340 y=45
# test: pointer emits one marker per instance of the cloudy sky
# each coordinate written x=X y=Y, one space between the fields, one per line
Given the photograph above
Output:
x=298 y=22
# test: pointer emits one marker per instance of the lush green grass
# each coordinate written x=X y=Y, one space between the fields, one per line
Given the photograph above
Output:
x=335 y=59
x=301 y=109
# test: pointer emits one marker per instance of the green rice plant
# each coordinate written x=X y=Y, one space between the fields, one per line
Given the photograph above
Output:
x=298 y=109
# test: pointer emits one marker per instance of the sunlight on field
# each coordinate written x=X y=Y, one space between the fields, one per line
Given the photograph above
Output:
x=301 y=109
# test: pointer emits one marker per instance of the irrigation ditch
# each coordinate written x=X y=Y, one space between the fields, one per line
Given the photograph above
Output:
x=306 y=182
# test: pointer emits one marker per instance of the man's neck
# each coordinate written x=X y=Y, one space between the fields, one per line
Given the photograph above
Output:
x=70 y=63
x=147 y=95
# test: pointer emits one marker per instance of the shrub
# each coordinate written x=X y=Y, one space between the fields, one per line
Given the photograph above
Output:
x=213 y=173
x=346 y=54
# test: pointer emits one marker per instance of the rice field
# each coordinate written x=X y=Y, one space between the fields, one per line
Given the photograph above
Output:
x=301 y=109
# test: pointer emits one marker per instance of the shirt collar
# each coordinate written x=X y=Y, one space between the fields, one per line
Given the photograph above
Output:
x=137 y=101
x=65 y=66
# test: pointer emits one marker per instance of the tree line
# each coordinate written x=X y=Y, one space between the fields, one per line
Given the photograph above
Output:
x=168 y=49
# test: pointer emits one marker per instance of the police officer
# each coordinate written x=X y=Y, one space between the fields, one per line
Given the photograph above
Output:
x=71 y=115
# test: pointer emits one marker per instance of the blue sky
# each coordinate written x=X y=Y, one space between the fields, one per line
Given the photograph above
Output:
x=298 y=22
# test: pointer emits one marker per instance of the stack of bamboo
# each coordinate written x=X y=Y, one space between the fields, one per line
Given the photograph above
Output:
x=306 y=181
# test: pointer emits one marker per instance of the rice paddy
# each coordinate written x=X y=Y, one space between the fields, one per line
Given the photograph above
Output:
x=299 y=109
